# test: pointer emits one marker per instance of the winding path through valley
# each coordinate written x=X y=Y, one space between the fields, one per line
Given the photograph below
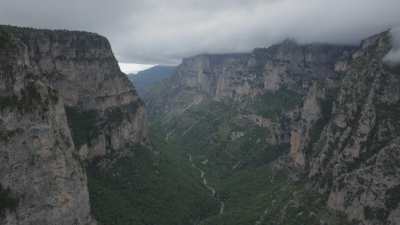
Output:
x=210 y=188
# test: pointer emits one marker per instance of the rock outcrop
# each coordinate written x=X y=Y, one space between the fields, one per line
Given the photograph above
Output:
x=63 y=100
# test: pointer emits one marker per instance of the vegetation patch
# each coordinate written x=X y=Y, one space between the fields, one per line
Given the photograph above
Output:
x=7 y=39
x=273 y=104
x=29 y=101
x=115 y=115
x=319 y=125
x=7 y=200
x=6 y=135
x=8 y=102
x=392 y=197
x=83 y=125
x=269 y=197
x=373 y=213
x=141 y=190
x=239 y=168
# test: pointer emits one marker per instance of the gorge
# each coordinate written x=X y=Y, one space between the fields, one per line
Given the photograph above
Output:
x=289 y=134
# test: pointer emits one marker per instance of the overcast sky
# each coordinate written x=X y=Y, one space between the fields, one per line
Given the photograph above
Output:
x=164 y=31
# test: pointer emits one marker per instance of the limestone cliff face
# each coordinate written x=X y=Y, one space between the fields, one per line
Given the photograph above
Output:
x=38 y=161
x=312 y=116
x=287 y=65
x=63 y=100
x=356 y=157
x=82 y=68
x=201 y=78
x=291 y=83
x=261 y=79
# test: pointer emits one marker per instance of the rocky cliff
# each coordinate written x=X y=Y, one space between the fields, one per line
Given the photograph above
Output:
x=104 y=109
x=355 y=158
x=332 y=111
x=287 y=65
x=63 y=100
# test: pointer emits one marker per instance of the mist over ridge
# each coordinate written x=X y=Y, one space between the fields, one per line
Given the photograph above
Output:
x=164 y=32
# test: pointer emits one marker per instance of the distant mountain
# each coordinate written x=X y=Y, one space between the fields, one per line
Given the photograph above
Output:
x=143 y=80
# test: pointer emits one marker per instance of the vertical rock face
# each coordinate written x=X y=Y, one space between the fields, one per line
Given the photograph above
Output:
x=356 y=157
x=82 y=68
x=38 y=161
x=282 y=72
x=63 y=100
x=313 y=116
x=201 y=78
x=287 y=84
x=237 y=76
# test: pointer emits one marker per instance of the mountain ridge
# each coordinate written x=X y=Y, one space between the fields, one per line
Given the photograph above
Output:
x=213 y=103
x=145 y=79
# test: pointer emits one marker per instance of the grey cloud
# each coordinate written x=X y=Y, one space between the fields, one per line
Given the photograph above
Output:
x=163 y=32
x=393 y=57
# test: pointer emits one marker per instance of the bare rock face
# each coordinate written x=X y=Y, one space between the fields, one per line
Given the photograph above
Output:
x=313 y=116
x=202 y=78
x=82 y=68
x=283 y=72
x=356 y=158
x=63 y=100
x=38 y=161
x=287 y=65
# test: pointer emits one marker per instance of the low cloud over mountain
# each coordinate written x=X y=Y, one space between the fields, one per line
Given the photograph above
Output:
x=162 y=32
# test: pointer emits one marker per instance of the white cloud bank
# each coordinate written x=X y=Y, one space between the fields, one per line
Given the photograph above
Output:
x=133 y=68
x=393 y=57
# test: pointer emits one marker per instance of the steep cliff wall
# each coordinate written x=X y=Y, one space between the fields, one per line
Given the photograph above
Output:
x=335 y=109
x=105 y=112
x=355 y=159
x=287 y=65
x=39 y=164
x=275 y=84
x=63 y=100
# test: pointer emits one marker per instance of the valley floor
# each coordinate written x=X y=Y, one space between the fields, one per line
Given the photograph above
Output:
x=209 y=187
x=248 y=194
